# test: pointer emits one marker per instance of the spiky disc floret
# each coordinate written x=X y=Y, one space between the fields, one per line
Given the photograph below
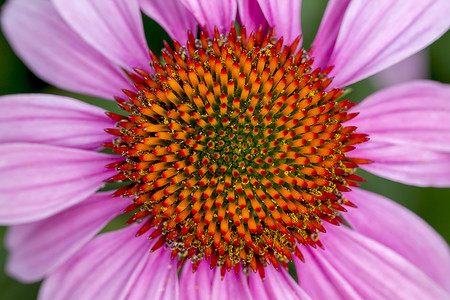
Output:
x=234 y=150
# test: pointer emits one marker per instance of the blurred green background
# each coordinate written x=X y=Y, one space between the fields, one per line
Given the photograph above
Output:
x=431 y=204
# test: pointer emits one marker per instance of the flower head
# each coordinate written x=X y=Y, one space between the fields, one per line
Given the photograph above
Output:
x=235 y=148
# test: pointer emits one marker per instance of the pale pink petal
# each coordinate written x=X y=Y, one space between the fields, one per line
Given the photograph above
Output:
x=321 y=280
x=38 y=248
x=371 y=269
x=213 y=13
x=196 y=285
x=325 y=40
x=53 y=51
x=40 y=180
x=401 y=230
x=277 y=285
x=409 y=133
x=108 y=267
x=231 y=286
x=112 y=27
x=157 y=280
x=377 y=34
x=284 y=16
x=415 y=113
x=208 y=284
x=251 y=15
x=412 y=68
x=53 y=120
x=406 y=164
x=172 y=16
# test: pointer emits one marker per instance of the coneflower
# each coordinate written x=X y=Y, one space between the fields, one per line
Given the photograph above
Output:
x=236 y=149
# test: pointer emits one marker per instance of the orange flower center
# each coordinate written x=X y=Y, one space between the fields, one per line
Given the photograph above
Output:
x=234 y=151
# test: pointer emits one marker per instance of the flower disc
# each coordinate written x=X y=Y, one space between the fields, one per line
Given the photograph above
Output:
x=234 y=150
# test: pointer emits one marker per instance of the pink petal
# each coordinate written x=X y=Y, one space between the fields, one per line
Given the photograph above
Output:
x=157 y=280
x=207 y=284
x=53 y=120
x=172 y=16
x=114 y=28
x=251 y=15
x=414 y=113
x=412 y=68
x=53 y=51
x=231 y=286
x=115 y=265
x=40 y=180
x=325 y=40
x=371 y=269
x=213 y=14
x=277 y=285
x=406 y=164
x=321 y=280
x=38 y=248
x=401 y=230
x=284 y=15
x=377 y=34
x=196 y=285
x=409 y=133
